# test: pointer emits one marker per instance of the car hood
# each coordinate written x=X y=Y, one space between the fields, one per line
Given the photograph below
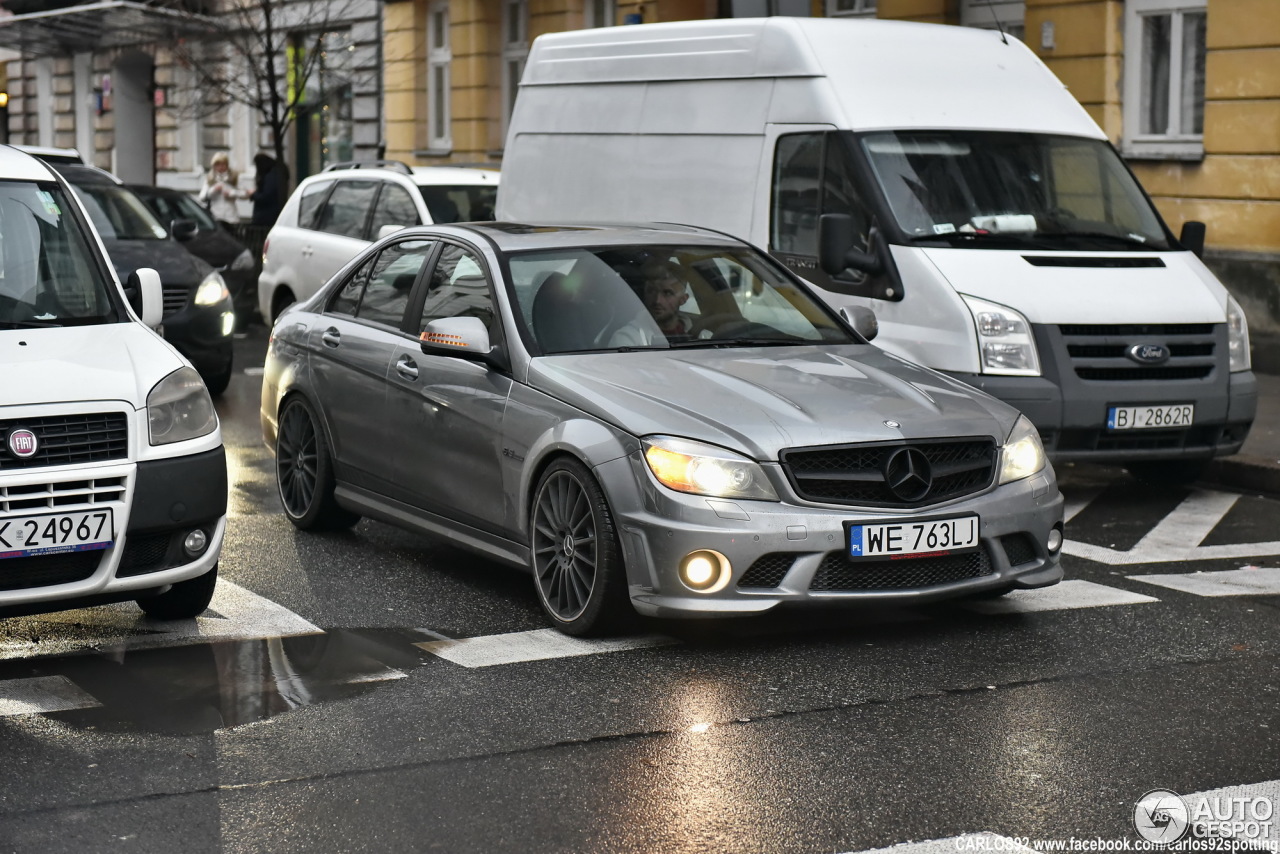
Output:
x=176 y=266
x=762 y=400
x=214 y=246
x=114 y=361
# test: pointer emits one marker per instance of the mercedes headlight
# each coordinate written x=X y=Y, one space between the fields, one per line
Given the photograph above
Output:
x=179 y=408
x=243 y=262
x=1238 y=336
x=1005 y=344
x=1022 y=454
x=701 y=469
x=212 y=290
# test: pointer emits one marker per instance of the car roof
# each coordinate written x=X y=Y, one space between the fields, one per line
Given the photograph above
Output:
x=423 y=176
x=50 y=154
x=520 y=237
x=18 y=165
x=80 y=174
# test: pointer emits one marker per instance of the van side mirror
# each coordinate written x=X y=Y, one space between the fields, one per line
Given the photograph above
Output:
x=836 y=239
x=1192 y=237
x=183 y=229
x=464 y=337
x=146 y=295
x=862 y=319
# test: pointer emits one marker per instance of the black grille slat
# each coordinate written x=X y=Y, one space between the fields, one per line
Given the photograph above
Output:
x=838 y=573
x=768 y=570
x=22 y=573
x=1019 y=548
x=144 y=553
x=1129 y=329
x=1173 y=372
x=1091 y=261
x=854 y=474
x=69 y=439
x=175 y=299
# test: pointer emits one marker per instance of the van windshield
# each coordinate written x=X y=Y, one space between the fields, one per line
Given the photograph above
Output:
x=986 y=189
x=47 y=272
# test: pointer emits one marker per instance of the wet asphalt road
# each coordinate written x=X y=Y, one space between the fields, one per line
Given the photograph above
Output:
x=802 y=732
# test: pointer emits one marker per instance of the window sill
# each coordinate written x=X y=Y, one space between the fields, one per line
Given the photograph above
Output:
x=1187 y=150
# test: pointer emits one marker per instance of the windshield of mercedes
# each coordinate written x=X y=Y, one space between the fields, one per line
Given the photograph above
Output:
x=986 y=189
x=650 y=297
x=47 y=272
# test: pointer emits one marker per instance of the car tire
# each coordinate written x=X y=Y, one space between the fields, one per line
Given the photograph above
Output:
x=578 y=571
x=304 y=471
x=184 y=600
x=1167 y=472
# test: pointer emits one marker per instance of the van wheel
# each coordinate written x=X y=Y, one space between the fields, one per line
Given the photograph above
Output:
x=1167 y=472
x=577 y=564
x=304 y=471
x=184 y=600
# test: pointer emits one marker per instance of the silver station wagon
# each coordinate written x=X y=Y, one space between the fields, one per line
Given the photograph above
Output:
x=659 y=420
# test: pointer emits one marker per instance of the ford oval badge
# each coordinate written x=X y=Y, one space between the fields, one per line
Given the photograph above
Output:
x=23 y=443
x=1148 y=354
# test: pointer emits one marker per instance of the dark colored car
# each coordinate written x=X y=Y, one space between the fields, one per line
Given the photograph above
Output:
x=208 y=241
x=198 y=313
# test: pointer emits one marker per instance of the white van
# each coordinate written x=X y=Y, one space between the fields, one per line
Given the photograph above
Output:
x=939 y=175
x=113 y=479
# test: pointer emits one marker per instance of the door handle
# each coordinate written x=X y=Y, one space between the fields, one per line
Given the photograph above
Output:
x=331 y=337
x=407 y=368
x=307 y=251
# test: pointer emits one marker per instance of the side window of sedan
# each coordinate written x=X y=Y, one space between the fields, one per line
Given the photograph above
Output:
x=347 y=299
x=395 y=207
x=391 y=278
x=459 y=288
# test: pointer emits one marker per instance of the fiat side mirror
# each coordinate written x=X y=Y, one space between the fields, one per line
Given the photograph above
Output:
x=146 y=295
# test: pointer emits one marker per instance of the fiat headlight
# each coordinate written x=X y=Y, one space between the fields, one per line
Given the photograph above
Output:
x=1022 y=454
x=212 y=290
x=1005 y=344
x=179 y=408
x=701 y=469
x=244 y=261
x=1237 y=337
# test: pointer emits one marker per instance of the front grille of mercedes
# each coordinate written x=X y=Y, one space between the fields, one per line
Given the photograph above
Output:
x=855 y=474
x=1099 y=351
x=838 y=573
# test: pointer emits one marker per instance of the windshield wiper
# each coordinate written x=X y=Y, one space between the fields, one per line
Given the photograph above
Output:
x=1127 y=241
x=1017 y=240
x=715 y=343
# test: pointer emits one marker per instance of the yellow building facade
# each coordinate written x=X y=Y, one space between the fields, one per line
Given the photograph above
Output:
x=1194 y=104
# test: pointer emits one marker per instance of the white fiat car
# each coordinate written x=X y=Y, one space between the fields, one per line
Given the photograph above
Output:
x=332 y=216
x=113 y=480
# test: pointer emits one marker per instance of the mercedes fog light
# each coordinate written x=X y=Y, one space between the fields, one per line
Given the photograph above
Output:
x=195 y=542
x=1055 y=540
x=705 y=571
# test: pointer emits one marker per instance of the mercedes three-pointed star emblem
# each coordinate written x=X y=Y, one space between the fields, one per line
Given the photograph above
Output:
x=908 y=474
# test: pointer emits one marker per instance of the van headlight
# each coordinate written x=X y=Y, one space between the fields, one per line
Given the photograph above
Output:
x=701 y=469
x=212 y=290
x=1005 y=345
x=1022 y=455
x=179 y=408
x=1238 y=336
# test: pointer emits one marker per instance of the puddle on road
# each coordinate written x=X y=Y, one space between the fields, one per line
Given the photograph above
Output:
x=200 y=688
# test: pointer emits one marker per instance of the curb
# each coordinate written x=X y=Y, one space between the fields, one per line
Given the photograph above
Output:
x=1243 y=472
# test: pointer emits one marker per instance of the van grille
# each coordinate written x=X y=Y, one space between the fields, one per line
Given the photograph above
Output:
x=856 y=474
x=1099 y=353
x=69 y=439
x=67 y=495
x=23 y=573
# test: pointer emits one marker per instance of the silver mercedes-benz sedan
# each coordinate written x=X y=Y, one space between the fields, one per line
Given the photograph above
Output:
x=652 y=419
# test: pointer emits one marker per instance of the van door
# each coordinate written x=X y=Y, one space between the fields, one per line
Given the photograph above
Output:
x=811 y=173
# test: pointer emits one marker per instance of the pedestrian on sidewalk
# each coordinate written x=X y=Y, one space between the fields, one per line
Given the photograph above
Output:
x=220 y=192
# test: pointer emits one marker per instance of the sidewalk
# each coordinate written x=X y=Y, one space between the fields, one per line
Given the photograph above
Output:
x=1257 y=466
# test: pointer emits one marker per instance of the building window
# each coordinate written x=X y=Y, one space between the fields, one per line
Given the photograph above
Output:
x=851 y=8
x=1164 y=78
x=439 y=58
x=983 y=14
x=515 y=49
x=602 y=13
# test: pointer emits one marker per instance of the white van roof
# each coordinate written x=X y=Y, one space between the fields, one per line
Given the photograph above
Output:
x=883 y=74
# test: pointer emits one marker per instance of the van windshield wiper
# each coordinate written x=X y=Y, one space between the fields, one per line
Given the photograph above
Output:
x=987 y=239
x=1125 y=240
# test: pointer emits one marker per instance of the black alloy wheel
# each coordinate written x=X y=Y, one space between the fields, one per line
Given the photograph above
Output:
x=577 y=564
x=304 y=471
